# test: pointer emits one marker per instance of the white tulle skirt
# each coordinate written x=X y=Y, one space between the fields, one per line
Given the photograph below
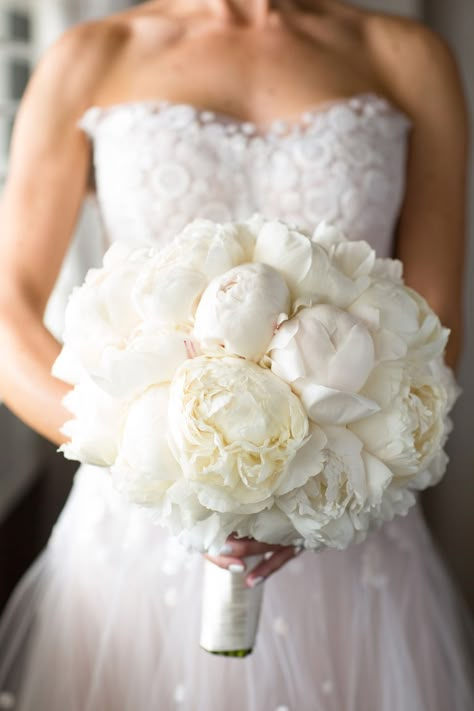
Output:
x=108 y=620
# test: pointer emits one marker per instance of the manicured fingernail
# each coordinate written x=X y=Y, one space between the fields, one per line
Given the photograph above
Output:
x=226 y=549
x=268 y=555
x=298 y=549
x=253 y=582
x=236 y=568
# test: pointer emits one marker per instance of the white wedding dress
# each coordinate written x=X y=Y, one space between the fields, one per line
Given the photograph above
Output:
x=108 y=617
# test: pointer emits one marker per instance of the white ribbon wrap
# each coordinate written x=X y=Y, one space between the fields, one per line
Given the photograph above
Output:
x=230 y=610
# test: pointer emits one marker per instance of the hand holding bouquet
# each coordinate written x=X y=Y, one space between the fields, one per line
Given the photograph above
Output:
x=255 y=379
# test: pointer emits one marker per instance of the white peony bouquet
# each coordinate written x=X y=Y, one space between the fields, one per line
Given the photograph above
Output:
x=257 y=379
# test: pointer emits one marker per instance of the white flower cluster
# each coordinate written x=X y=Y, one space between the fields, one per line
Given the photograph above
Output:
x=255 y=378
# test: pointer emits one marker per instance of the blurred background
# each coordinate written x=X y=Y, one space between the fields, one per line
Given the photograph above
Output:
x=34 y=479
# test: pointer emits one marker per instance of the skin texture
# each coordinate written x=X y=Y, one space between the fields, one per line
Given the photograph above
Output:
x=242 y=58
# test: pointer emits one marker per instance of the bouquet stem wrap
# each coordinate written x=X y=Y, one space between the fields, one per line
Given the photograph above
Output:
x=230 y=610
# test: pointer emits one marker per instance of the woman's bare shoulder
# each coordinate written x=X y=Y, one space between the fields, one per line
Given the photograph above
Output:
x=86 y=55
x=73 y=68
x=416 y=64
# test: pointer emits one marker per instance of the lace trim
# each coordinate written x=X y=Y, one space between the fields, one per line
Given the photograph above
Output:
x=368 y=104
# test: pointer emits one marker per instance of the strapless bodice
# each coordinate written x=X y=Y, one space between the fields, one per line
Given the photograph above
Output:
x=160 y=164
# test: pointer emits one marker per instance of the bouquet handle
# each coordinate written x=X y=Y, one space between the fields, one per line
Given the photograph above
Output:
x=230 y=610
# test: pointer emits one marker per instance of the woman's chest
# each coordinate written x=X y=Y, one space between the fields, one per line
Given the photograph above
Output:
x=159 y=165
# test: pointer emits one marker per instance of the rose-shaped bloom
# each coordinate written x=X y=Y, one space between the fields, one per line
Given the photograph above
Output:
x=326 y=355
x=100 y=313
x=235 y=428
x=151 y=356
x=240 y=310
x=95 y=431
x=306 y=267
x=409 y=430
x=402 y=322
x=333 y=507
x=145 y=468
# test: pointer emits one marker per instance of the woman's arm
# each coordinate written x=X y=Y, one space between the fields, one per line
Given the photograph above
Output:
x=38 y=213
x=425 y=80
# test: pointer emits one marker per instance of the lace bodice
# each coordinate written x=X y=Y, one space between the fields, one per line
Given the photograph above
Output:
x=160 y=164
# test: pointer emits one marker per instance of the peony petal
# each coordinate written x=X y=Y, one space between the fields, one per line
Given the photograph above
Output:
x=67 y=367
x=168 y=294
x=386 y=268
x=347 y=448
x=354 y=259
x=271 y=526
x=378 y=477
x=388 y=345
x=95 y=430
x=326 y=345
x=286 y=250
x=330 y=406
x=307 y=462
x=151 y=358
x=327 y=235
x=144 y=443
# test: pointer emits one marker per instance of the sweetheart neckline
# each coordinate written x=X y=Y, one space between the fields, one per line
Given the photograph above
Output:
x=293 y=122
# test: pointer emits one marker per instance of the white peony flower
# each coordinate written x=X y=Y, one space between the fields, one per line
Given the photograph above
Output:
x=210 y=248
x=240 y=310
x=235 y=429
x=100 y=313
x=326 y=355
x=306 y=267
x=95 y=431
x=151 y=356
x=402 y=322
x=144 y=468
x=355 y=259
x=168 y=293
x=333 y=507
x=409 y=431
x=195 y=526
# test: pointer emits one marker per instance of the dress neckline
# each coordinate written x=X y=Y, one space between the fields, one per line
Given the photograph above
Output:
x=357 y=102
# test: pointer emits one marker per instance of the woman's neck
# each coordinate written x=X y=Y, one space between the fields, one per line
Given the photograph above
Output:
x=252 y=12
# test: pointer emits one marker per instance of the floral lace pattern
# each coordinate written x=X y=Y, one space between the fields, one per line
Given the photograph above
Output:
x=160 y=164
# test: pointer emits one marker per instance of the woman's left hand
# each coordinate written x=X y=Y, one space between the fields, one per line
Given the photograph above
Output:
x=235 y=550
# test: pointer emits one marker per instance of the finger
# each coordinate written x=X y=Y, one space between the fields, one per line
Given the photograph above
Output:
x=231 y=563
x=243 y=547
x=270 y=565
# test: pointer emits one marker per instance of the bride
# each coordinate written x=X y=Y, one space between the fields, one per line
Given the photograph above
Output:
x=221 y=108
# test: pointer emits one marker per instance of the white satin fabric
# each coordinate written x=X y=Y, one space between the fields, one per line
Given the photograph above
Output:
x=108 y=617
